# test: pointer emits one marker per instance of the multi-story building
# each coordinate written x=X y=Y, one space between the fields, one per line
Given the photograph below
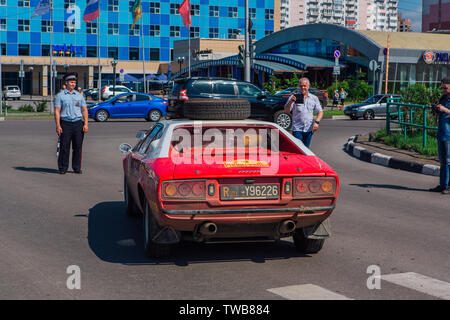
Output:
x=147 y=47
x=355 y=14
x=435 y=15
x=403 y=25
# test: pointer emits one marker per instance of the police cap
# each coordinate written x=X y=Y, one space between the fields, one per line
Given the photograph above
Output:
x=70 y=76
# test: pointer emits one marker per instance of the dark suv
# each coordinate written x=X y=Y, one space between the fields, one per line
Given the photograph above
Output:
x=263 y=106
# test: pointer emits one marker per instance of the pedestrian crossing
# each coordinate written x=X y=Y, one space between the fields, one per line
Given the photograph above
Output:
x=414 y=281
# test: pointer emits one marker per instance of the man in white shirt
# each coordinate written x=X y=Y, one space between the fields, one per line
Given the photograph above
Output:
x=303 y=122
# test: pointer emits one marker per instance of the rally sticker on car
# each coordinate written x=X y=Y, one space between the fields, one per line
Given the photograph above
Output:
x=243 y=163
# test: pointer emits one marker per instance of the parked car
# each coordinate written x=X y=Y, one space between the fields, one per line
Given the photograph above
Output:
x=375 y=106
x=323 y=96
x=91 y=93
x=263 y=105
x=11 y=92
x=129 y=105
x=187 y=189
x=107 y=91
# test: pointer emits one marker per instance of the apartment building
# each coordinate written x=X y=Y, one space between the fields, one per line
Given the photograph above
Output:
x=435 y=15
x=378 y=15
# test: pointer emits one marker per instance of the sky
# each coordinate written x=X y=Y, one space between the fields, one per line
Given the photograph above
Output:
x=412 y=9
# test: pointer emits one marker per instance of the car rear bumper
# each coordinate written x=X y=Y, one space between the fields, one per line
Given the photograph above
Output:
x=301 y=209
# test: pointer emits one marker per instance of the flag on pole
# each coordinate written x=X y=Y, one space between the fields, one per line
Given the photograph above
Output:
x=185 y=11
x=136 y=12
x=42 y=8
x=92 y=11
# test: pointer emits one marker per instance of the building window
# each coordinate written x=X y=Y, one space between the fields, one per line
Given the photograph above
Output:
x=24 y=49
x=268 y=14
x=174 y=31
x=252 y=13
x=174 y=8
x=154 y=30
x=134 y=31
x=195 y=32
x=154 y=54
x=45 y=50
x=113 y=52
x=155 y=7
x=3 y=49
x=133 y=54
x=213 y=11
x=69 y=26
x=2 y=2
x=113 y=28
x=69 y=4
x=233 y=33
x=2 y=24
x=232 y=12
x=23 y=25
x=23 y=3
x=91 y=27
x=253 y=34
x=214 y=33
x=91 y=52
x=46 y=26
x=113 y=5
x=195 y=9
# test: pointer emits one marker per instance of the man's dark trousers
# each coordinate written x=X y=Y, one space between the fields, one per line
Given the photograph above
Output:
x=72 y=132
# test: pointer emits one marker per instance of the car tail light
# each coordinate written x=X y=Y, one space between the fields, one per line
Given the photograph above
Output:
x=165 y=102
x=184 y=189
x=183 y=95
x=311 y=187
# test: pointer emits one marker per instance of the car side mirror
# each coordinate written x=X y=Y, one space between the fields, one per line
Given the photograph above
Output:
x=262 y=95
x=125 y=148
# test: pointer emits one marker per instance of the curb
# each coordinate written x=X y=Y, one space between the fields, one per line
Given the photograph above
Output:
x=388 y=161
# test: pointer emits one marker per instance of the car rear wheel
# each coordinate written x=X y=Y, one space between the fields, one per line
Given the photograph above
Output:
x=283 y=119
x=154 y=115
x=216 y=109
x=101 y=115
x=130 y=205
x=369 y=115
x=305 y=245
x=152 y=249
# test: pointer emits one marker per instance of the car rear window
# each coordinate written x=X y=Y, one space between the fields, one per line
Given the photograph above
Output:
x=224 y=88
x=200 y=87
x=13 y=88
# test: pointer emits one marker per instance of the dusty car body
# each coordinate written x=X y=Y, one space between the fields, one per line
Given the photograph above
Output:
x=227 y=180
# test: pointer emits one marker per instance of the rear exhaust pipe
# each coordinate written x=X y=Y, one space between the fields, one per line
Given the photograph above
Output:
x=286 y=226
x=208 y=229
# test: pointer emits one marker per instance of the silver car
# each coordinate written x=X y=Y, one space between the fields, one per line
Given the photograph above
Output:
x=12 y=92
x=373 y=107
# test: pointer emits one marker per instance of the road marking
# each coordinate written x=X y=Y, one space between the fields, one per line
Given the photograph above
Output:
x=421 y=283
x=307 y=292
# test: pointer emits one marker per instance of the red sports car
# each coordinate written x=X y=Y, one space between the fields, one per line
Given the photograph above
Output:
x=212 y=181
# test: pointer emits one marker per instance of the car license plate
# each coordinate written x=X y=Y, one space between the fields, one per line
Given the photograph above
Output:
x=249 y=191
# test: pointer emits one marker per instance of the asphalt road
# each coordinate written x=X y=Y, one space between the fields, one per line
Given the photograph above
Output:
x=384 y=217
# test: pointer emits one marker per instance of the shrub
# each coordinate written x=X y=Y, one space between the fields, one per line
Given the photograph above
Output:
x=26 y=108
x=41 y=106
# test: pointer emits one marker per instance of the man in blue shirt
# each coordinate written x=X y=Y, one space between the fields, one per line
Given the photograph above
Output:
x=71 y=118
x=443 y=137
x=303 y=122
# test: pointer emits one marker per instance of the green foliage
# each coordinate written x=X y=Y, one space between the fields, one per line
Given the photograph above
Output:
x=41 y=106
x=4 y=106
x=356 y=89
x=420 y=94
x=413 y=142
x=26 y=108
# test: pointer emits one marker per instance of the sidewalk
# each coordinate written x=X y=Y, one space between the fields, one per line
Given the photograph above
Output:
x=361 y=147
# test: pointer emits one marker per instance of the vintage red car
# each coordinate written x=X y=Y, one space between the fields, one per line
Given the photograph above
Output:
x=215 y=181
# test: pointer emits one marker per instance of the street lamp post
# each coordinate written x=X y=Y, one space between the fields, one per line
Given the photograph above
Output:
x=180 y=62
x=114 y=63
x=31 y=72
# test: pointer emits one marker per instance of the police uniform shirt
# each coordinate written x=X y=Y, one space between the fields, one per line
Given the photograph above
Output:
x=443 y=133
x=303 y=113
x=70 y=104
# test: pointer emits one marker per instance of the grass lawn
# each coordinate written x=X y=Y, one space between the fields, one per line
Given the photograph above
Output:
x=333 y=113
x=413 y=143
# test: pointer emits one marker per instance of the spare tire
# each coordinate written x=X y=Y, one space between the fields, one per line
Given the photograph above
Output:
x=216 y=109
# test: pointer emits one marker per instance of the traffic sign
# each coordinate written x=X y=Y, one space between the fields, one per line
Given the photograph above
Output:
x=336 y=70
x=373 y=65
x=337 y=54
x=21 y=74
x=122 y=77
x=121 y=70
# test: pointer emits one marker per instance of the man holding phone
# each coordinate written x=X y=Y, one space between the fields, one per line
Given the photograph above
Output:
x=303 y=106
x=443 y=137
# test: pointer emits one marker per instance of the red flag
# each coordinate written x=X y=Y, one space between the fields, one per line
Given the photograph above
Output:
x=185 y=11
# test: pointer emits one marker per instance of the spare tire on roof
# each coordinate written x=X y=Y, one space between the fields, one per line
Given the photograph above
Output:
x=216 y=109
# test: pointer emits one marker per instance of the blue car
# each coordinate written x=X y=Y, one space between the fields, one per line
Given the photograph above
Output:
x=129 y=105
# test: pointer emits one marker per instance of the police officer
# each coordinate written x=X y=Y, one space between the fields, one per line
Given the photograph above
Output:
x=71 y=118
